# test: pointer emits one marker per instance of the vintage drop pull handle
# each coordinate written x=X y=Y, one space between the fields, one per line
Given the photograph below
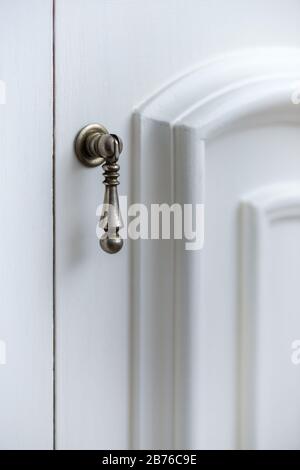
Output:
x=94 y=146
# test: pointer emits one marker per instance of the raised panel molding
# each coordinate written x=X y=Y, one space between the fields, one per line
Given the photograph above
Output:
x=262 y=422
x=169 y=394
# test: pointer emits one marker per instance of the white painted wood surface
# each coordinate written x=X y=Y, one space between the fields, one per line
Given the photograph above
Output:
x=26 y=310
x=144 y=368
x=115 y=362
x=147 y=342
x=271 y=323
x=232 y=116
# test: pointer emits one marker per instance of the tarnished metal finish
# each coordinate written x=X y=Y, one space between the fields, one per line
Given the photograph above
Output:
x=105 y=144
x=110 y=219
x=95 y=146
x=85 y=154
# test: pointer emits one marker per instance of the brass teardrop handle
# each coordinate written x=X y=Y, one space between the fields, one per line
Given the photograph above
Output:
x=95 y=146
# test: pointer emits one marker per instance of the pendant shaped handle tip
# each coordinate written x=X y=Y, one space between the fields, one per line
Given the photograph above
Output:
x=111 y=243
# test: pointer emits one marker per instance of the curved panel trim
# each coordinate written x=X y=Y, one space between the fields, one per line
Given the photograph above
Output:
x=229 y=88
x=275 y=202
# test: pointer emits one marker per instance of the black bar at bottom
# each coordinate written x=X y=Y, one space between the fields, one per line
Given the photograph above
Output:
x=135 y=459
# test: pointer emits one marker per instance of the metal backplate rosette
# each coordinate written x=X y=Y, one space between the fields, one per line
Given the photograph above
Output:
x=80 y=145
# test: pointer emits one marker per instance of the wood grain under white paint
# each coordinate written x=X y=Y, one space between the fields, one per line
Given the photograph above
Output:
x=26 y=310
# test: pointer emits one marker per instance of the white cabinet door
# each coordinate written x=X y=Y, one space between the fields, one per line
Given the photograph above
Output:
x=157 y=346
